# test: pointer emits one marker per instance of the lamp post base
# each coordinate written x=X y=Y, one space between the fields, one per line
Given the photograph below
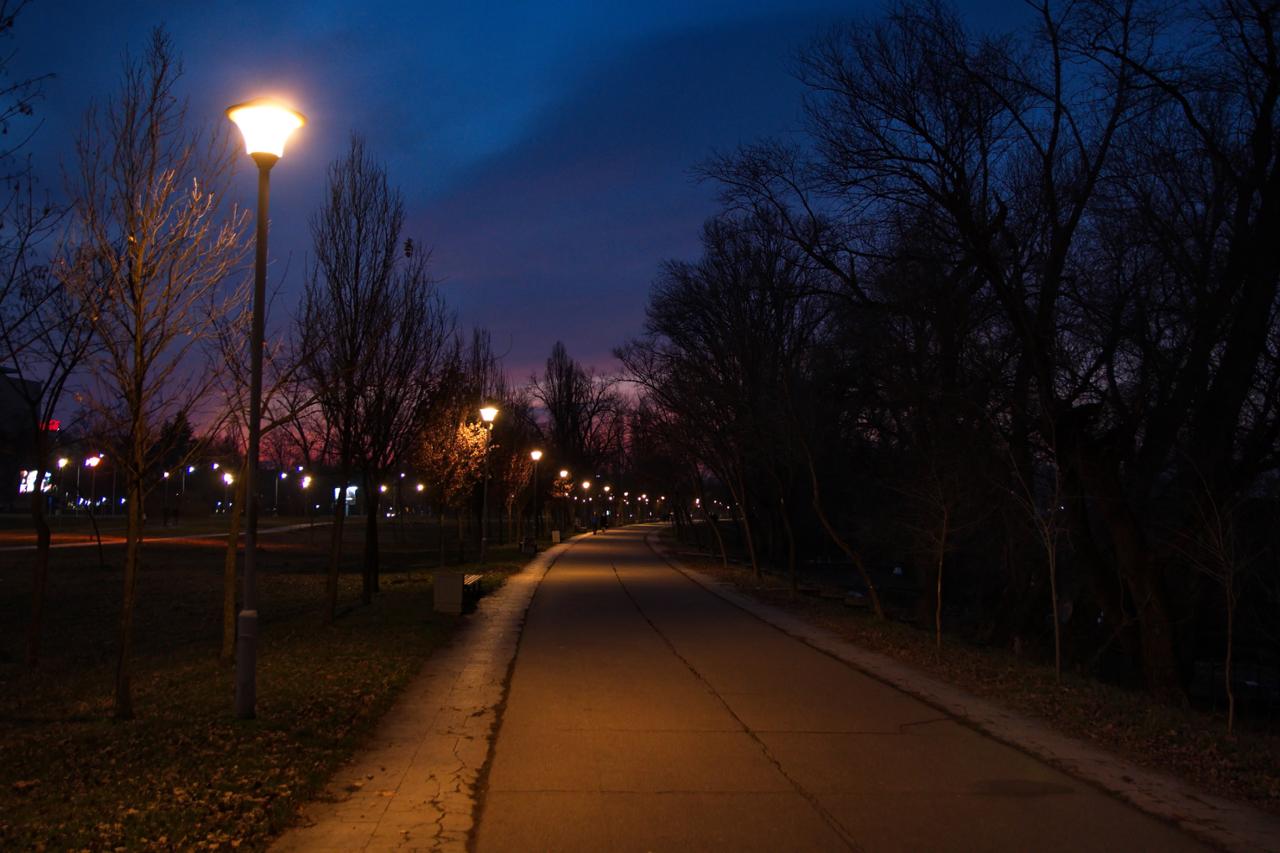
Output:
x=246 y=660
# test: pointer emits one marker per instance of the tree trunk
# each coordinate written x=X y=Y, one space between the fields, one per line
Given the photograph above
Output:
x=369 y=574
x=940 y=558
x=335 y=550
x=229 y=572
x=1136 y=568
x=839 y=541
x=740 y=498
x=1159 y=661
x=123 y=709
x=39 y=571
x=1051 y=549
x=792 y=569
x=440 y=533
x=462 y=541
x=1231 y=693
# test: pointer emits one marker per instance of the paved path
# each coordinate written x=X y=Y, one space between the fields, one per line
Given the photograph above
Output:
x=645 y=713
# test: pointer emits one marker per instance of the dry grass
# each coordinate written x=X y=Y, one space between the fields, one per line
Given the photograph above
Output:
x=186 y=774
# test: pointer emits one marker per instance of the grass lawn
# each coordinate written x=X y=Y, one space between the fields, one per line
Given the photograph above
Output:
x=1184 y=742
x=186 y=774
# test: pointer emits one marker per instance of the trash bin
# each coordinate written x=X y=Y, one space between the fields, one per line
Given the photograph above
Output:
x=448 y=592
x=555 y=537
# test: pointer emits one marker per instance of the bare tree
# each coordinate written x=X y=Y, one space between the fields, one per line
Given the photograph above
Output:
x=382 y=334
x=1045 y=512
x=157 y=247
x=283 y=398
x=44 y=332
x=583 y=411
x=413 y=360
x=1212 y=547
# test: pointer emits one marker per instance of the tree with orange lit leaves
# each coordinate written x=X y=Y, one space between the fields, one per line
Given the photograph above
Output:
x=451 y=454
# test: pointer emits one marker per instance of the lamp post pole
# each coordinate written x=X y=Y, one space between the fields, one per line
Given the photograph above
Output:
x=535 y=455
x=247 y=621
x=265 y=126
x=484 y=495
x=488 y=413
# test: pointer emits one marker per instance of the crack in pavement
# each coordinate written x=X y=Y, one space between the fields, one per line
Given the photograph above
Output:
x=809 y=797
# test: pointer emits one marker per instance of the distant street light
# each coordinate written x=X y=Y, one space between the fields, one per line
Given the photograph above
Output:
x=284 y=475
x=266 y=126
x=488 y=414
x=305 y=483
x=62 y=491
x=93 y=462
x=535 y=455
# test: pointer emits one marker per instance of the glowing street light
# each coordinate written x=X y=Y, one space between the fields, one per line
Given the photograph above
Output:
x=535 y=455
x=63 y=462
x=227 y=480
x=266 y=125
x=92 y=464
x=284 y=475
x=488 y=413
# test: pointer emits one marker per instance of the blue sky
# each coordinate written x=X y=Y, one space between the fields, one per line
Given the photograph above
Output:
x=544 y=149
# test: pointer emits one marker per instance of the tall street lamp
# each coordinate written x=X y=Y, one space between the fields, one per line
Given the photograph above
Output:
x=535 y=455
x=93 y=462
x=266 y=126
x=487 y=414
x=566 y=511
x=284 y=475
x=62 y=491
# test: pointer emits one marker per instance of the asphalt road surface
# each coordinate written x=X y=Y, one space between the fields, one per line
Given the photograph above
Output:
x=645 y=713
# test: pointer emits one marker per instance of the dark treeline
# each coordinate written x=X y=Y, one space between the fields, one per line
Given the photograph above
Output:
x=1006 y=319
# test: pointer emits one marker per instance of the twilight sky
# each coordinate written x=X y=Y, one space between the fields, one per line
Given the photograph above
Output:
x=544 y=149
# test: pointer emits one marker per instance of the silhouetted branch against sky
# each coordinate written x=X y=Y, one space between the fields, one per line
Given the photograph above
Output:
x=544 y=150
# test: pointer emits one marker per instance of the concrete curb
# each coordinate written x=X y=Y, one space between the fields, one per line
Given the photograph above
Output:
x=413 y=787
x=1224 y=823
